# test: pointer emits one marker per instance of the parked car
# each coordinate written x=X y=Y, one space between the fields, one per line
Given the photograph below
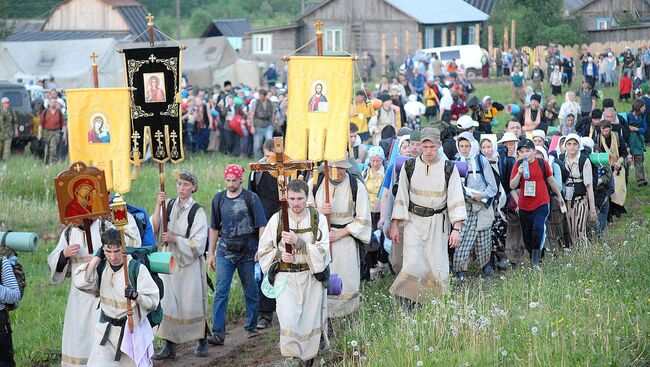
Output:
x=20 y=103
x=467 y=55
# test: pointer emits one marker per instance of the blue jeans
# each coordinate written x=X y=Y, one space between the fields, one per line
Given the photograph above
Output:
x=602 y=216
x=225 y=271
x=533 y=227
x=262 y=134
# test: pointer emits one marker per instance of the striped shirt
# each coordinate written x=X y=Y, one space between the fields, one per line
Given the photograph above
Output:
x=9 y=291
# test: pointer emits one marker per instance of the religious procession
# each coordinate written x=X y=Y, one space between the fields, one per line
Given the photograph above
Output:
x=444 y=204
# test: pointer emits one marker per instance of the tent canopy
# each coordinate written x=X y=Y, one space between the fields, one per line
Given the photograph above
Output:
x=205 y=62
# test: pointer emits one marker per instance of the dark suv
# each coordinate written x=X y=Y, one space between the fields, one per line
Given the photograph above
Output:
x=22 y=106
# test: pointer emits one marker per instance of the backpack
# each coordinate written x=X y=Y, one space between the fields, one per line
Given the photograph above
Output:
x=540 y=161
x=566 y=175
x=353 y=187
x=313 y=223
x=190 y=216
x=409 y=167
x=248 y=198
x=19 y=272
x=144 y=225
x=497 y=179
x=139 y=256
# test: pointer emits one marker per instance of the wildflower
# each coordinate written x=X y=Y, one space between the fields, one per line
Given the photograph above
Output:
x=416 y=348
x=354 y=343
x=430 y=349
x=504 y=352
x=533 y=304
x=420 y=363
x=534 y=330
x=356 y=353
x=554 y=334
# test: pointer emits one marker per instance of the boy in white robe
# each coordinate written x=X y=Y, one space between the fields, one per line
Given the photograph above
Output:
x=185 y=298
x=70 y=253
x=113 y=326
x=301 y=307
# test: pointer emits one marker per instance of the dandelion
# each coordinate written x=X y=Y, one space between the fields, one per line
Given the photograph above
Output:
x=568 y=265
x=504 y=352
x=354 y=343
x=534 y=330
x=356 y=353
x=420 y=363
x=430 y=349
x=533 y=304
x=554 y=334
x=416 y=348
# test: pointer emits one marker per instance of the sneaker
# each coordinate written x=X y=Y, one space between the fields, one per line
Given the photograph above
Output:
x=488 y=271
x=216 y=340
x=503 y=264
x=264 y=323
x=460 y=277
x=252 y=333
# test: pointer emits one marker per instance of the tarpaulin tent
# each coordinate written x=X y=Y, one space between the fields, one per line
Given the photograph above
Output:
x=206 y=62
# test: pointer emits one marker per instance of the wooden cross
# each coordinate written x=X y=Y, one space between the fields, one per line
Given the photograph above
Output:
x=281 y=167
x=93 y=57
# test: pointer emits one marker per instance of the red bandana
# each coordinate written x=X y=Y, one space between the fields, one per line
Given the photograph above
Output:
x=233 y=171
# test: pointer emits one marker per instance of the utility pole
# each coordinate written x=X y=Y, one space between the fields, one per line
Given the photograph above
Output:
x=611 y=15
x=178 y=19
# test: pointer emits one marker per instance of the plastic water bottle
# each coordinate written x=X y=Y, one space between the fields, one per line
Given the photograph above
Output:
x=526 y=169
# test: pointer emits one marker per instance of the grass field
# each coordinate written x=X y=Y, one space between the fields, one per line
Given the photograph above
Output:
x=588 y=307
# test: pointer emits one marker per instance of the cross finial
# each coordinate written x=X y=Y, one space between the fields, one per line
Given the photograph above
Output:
x=77 y=167
x=149 y=18
x=319 y=26
x=93 y=57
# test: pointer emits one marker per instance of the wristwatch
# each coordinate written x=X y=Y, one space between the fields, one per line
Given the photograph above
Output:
x=455 y=229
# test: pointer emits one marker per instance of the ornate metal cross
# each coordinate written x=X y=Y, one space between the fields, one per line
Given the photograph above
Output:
x=280 y=166
x=94 y=57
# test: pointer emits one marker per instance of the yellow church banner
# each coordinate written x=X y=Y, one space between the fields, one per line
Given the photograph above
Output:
x=99 y=131
x=318 y=114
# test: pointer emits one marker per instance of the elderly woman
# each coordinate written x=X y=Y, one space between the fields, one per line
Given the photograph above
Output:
x=570 y=106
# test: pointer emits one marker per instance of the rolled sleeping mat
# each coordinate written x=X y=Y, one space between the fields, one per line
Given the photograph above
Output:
x=162 y=262
x=19 y=241
x=495 y=122
x=400 y=162
x=462 y=168
x=335 y=287
x=513 y=109
x=601 y=159
x=552 y=129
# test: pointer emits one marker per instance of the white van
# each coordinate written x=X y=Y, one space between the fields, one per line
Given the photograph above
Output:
x=467 y=55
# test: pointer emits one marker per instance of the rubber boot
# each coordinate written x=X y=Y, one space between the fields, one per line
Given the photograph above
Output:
x=201 y=349
x=537 y=257
x=168 y=351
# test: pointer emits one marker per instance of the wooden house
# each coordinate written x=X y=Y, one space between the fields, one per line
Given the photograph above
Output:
x=380 y=27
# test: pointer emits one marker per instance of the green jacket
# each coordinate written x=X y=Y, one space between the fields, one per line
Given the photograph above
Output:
x=8 y=123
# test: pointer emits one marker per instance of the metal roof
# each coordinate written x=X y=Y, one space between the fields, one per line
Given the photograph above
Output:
x=135 y=18
x=486 y=6
x=433 y=12
x=227 y=28
x=573 y=5
x=30 y=36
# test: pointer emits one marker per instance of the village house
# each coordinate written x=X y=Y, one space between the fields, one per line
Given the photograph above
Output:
x=233 y=29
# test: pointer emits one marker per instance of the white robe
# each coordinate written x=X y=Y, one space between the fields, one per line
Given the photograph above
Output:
x=113 y=304
x=301 y=308
x=185 y=300
x=345 y=252
x=425 y=272
x=81 y=311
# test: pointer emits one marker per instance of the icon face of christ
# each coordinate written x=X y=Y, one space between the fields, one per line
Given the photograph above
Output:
x=153 y=92
x=318 y=101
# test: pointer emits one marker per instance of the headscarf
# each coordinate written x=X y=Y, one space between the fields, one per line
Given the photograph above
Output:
x=233 y=171
x=495 y=150
x=375 y=151
x=473 y=152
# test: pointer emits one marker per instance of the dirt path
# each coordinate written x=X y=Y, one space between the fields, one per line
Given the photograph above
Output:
x=238 y=350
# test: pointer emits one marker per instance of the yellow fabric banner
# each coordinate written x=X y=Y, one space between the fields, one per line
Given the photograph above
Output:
x=318 y=114
x=99 y=131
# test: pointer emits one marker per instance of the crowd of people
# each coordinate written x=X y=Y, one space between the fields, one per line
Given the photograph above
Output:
x=427 y=190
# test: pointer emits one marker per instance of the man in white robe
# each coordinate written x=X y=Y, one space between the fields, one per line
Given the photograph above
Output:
x=301 y=307
x=185 y=299
x=112 y=329
x=70 y=253
x=428 y=207
x=350 y=222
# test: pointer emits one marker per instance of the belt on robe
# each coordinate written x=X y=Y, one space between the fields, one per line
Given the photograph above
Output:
x=121 y=323
x=339 y=226
x=292 y=268
x=423 y=211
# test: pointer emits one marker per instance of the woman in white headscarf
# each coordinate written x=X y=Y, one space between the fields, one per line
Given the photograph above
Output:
x=445 y=105
x=499 y=228
x=570 y=106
